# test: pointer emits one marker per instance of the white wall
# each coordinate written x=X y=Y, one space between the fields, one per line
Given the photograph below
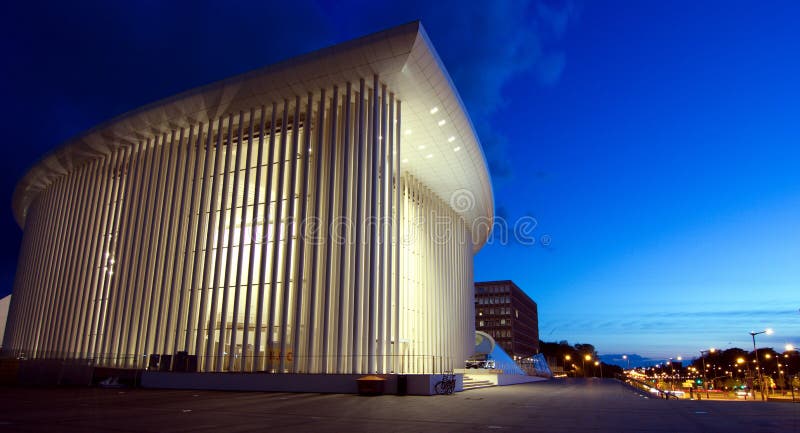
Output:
x=4 y=303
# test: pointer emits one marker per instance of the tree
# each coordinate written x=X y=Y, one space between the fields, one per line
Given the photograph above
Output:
x=781 y=382
x=586 y=349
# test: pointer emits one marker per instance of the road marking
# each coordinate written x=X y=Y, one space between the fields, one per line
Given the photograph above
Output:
x=186 y=410
x=700 y=411
x=494 y=427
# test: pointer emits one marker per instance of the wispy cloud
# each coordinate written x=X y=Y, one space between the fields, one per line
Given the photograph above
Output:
x=668 y=332
x=484 y=57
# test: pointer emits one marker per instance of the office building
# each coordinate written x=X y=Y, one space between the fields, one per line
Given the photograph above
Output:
x=505 y=312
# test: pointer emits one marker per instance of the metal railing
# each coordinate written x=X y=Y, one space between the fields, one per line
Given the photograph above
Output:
x=362 y=364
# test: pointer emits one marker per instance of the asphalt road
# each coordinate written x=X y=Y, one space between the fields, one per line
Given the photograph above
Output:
x=573 y=405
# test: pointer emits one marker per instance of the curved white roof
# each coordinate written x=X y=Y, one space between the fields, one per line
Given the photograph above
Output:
x=439 y=145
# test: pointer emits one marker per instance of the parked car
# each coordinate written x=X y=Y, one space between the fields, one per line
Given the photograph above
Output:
x=474 y=363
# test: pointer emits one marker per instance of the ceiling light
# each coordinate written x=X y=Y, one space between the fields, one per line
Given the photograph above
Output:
x=429 y=156
x=456 y=149
x=451 y=139
x=442 y=122
x=408 y=132
x=421 y=146
x=434 y=110
x=405 y=160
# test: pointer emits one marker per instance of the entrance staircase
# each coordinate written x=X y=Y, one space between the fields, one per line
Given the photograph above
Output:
x=474 y=383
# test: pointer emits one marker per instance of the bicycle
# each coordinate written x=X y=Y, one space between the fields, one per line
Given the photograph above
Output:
x=447 y=385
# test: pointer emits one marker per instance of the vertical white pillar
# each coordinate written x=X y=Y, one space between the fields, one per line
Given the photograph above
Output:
x=155 y=339
x=107 y=345
x=313 y=320
x=218 y=284
x=197 y=274
x=344 y=250
x=358 y=218
x=290 y=283
x=143 y=286
x=97 y=267
x=229 y=248
x=182 y=225
x=279 y=242
x=232 y=352
x=328 y=196
x=299 y=366
x=133 y=287
x=254 y=238
x=153 y=294
x=113 y=234
x=207 y=284
x=77 y=203
x=262 y=286
x=98 y=189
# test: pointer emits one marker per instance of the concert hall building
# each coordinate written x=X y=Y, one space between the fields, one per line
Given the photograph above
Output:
x=319 y=215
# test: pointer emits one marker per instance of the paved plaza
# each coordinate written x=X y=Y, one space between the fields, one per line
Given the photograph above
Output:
x=573 y=405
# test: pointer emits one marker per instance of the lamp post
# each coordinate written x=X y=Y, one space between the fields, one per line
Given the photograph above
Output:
x=753 y=334
x=628 y=359
x=778 y=366
x=566 y=359
x=672 y=366
x=789 y=348
x=583 y=362
x=702 y=355
x=597 y=363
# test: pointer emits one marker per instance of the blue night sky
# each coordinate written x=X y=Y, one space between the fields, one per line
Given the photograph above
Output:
x=657 y=144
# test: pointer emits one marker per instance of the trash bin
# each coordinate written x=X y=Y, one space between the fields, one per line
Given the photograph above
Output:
x=371 y=385
x=402 y=384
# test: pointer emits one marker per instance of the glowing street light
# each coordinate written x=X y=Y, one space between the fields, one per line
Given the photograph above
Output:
x=703 y=354
x=753 y=334
x=587 y=357
x=596 y=364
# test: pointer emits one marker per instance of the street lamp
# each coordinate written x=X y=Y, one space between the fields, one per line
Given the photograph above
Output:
x=787 y=362
x=597 y=363
x=702 y=355
x=583 y=362
x=740 y=363
x=777 y=362
x=753 y=334
x=628 y=359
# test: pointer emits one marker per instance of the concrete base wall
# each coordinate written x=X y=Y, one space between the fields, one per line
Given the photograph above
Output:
x=50 y=372
x=417 y=384
x=513 y=379
x=502 y=379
